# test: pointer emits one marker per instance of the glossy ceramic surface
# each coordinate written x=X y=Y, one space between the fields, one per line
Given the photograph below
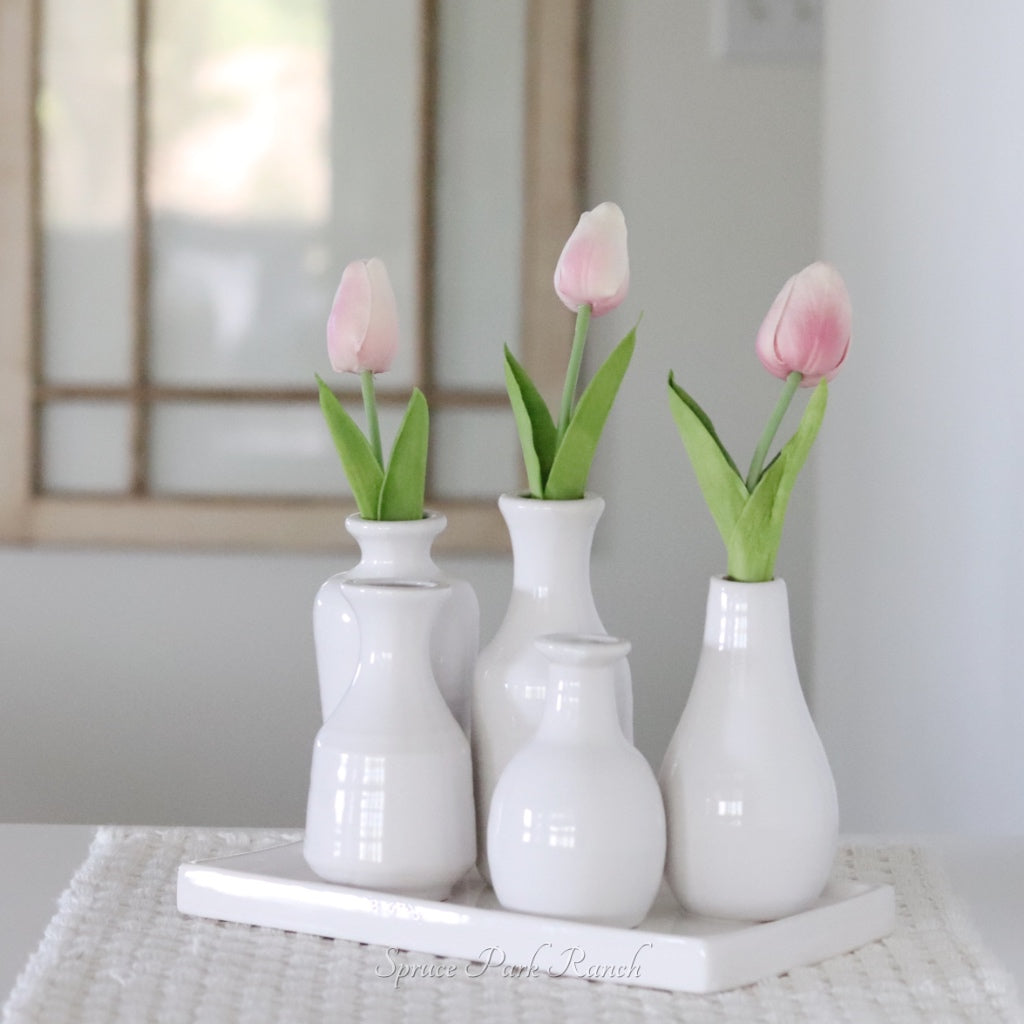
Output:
x=669 y=950
x=397 y=550
x=577 y=826
x=749 y=796
x=390 y=794
x=551 y=543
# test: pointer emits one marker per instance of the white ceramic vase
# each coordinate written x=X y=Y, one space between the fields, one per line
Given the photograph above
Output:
x=397 y=550
x=391 y=788
x=551 y=544
x=749 y=795
x=577 y=825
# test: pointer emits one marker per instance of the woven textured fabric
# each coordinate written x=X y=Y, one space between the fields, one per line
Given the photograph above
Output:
x=118 y=951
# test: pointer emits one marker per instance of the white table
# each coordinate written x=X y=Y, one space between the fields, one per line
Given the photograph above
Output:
x=37 y=861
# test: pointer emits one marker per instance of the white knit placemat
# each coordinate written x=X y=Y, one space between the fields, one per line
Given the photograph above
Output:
x=118 y=951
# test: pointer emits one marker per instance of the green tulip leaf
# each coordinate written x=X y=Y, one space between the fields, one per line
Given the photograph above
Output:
x=758 y=532
x=536 y=428
x=702 y=416
x=402 y=492
x=719 y=479
x=571 y=467
x=362 y=469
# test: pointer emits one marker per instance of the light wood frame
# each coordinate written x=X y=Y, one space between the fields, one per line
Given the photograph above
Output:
x=553 y=182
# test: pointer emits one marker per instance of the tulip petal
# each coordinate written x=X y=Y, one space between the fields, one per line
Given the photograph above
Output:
x=362 y=328
x=807 y=328
x=349 y=317
x=378 y=349
x=765 y=345
x=593 y=268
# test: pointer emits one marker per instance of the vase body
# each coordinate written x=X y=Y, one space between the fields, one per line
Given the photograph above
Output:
x=577 y=825
x=551 y=543
x=391 y=793
x=397 y=550
x=749 y=796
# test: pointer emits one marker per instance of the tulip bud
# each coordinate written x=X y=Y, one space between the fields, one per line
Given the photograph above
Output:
x=807 y=329
x=362 y=329
x=594 y=266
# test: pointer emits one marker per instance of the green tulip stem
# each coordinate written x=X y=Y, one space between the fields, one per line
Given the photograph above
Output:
x=572 y=373
x=372 y=420
x=771 y=429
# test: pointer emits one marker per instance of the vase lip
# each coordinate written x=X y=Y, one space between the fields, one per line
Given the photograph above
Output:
x=723 y=581
x=523 y=499
x=430 y=522
x=582 y=648
x=393 y=584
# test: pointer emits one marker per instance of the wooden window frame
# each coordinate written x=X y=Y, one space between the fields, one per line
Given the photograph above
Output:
x=552 y=183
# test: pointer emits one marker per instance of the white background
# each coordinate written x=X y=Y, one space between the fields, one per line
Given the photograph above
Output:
x=165 y=687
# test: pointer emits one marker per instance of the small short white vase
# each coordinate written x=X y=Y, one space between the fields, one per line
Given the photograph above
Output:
x=391 y=788
x=577 y=826
x=749 y=795
x=551 y=544
x=397 y=549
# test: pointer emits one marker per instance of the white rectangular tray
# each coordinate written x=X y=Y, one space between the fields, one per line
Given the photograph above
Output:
x=669 y=950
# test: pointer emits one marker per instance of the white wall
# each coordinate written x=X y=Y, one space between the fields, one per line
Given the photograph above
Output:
x=181 y=688
x=716 y=165
x=918 y=547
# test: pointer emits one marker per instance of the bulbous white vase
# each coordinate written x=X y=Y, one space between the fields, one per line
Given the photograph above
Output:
x=551 y=543
x=397 y=550
x=577 y=825
x=749 y=795
x=391 y=787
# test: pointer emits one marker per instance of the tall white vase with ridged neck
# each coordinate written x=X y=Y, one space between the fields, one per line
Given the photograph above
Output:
x=749 y=796
x=397 y=549
x=391 y=784
x=551 y=546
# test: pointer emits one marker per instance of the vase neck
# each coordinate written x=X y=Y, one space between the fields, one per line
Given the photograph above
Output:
x=580 y=706
x=396 y=621
x=747 y=616
x=551 y=542
x=398 y=549
x=581 y=703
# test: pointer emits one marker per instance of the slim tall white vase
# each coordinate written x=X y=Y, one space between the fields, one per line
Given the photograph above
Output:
x=551 y=545
x=749 y=796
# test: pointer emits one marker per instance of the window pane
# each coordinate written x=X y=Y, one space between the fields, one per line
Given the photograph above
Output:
x=474 y=453
x=85 y=120
x=263 y=184
x=479 y=187
x=238 y=184
x=267 y=449
x=283 y=139
x=86 y=446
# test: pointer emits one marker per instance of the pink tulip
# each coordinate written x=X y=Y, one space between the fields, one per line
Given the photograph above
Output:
x=594 y=266
x=362 y=330
x=807 y=328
